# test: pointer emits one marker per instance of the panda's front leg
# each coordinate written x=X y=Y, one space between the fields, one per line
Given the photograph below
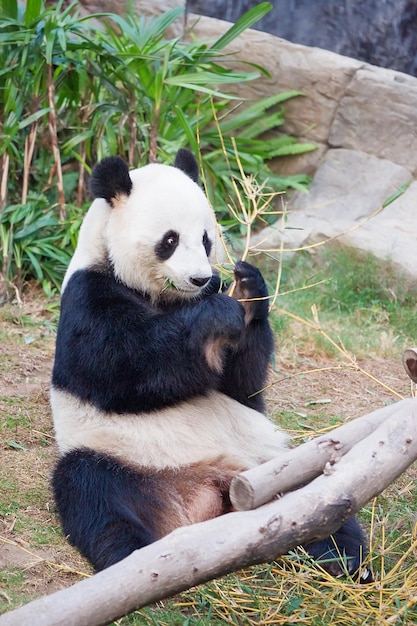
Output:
x=246 y=364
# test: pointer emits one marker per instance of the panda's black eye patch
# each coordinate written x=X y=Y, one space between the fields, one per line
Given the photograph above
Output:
x=167 y=245
x=207 y=243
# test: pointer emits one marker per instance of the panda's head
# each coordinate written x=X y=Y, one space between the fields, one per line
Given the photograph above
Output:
x=155 y=226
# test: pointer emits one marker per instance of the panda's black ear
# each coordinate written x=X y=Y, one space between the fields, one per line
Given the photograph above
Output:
x=186 y=161
x=110 y=178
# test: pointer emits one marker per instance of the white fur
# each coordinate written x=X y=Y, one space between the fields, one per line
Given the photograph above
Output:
x=197 y=430
x=91 y=247
x=162 y=198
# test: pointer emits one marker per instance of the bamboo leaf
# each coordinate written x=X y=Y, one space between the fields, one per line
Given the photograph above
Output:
x=27 y=121
x=16 y=446
x=197 y=87
x=32 y=11
x=35 y=263
x=150 y=28
x=260 y=126
x=62 y=38
x=35 y=227
x=9 y=9
x=246 y=21
x=260 y=106
x=399 y=192
x=211 y=78
x=291 y=149
x=76 y=139
x=188 y=130
x=256 y=111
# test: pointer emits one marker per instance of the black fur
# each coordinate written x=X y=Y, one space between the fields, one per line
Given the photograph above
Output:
x=119 y=352
x=167 y=245
x=255 y=347
x=110 y=178
x=185 y=161
x=207 y=243
x=107 y=510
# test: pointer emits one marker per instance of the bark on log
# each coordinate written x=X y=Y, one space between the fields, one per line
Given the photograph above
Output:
x=194 y=554
x=300 y=465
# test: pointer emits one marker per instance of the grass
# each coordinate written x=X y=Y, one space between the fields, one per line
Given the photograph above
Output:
x=360 y=301
x=365 y=310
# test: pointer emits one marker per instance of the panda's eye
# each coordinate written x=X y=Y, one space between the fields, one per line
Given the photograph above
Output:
x=167 y=245
x=207 y=243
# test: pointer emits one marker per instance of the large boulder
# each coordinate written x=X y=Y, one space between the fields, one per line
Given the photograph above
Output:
x=346 y=204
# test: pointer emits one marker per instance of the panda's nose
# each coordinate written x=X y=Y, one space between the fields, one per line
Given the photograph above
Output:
x=199 y=281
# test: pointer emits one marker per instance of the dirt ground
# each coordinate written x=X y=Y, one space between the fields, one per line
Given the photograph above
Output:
x=314 y=392
x=338 y=388
x=32 y=564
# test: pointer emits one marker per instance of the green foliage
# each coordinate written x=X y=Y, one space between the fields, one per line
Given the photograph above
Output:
x=32 y=239
x=351 y=280
x=73 y=90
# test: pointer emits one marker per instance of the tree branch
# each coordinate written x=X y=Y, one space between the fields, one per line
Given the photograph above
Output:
x=300 y=465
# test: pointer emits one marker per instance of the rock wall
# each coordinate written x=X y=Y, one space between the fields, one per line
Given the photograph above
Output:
x=382 y=33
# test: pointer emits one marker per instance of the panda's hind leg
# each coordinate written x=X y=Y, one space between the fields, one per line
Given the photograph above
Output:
x=343 y=552
x=107 y=510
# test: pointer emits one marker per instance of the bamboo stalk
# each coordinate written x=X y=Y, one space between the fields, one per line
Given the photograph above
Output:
x=81 y=175
x=153 y=138
x=133 y=127
x=53 y=132
x=30 y=142
x=4 y=180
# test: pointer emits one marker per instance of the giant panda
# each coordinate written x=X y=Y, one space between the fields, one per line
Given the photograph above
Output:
x=156 y=385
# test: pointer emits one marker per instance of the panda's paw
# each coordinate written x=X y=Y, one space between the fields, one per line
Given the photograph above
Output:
x=250 y=289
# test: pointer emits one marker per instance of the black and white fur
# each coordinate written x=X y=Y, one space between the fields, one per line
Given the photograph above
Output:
x=155 y=388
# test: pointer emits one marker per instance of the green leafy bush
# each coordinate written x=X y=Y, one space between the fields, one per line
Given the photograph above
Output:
x=35 y=243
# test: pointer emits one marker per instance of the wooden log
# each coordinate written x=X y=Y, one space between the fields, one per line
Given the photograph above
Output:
x=300 y=465
x=194 y=554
